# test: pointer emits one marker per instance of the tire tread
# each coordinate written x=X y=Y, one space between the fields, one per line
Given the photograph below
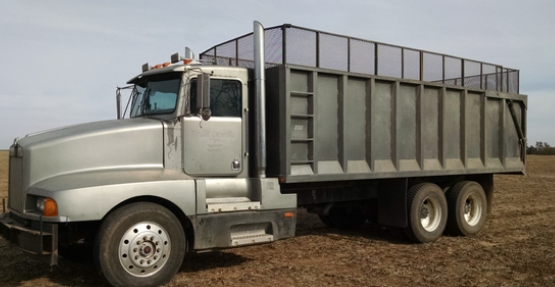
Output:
x=108 y=266
x=453 y=197
x=410 y=231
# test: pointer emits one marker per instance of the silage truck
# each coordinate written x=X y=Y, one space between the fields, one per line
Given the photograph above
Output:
x=221 y=151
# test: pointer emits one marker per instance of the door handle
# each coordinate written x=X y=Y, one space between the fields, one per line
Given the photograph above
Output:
x=235 y=164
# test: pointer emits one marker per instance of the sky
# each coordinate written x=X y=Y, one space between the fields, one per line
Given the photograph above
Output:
x=61 y=60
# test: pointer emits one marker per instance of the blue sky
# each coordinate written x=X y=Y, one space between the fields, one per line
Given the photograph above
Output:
x=61 y=61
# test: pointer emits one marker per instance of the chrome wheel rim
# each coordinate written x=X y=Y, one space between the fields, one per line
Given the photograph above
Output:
x=430 y=214
x=144 y=249
x=473 y=209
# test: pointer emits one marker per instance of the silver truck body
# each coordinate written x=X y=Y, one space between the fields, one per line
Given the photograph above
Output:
x=333 y=128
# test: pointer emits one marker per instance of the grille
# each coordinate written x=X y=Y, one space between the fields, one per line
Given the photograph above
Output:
x=15 y=189
x=288 y=44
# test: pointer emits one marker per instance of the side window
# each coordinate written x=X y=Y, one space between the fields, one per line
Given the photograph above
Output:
x=225 y=98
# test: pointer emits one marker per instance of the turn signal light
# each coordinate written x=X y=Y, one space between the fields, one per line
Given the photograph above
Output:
x=50 y=207
x=289 y=215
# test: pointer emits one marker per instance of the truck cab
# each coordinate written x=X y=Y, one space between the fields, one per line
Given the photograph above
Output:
x=182 y=156
x=196 y=144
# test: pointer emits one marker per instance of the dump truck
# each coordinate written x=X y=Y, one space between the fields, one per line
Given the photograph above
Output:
x=220 y=151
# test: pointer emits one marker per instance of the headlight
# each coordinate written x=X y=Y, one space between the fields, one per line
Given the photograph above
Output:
x=40 y=204
x=47 y=206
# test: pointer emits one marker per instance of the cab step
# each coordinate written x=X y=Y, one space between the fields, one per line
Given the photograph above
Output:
x=250 y=237
x=228 y=204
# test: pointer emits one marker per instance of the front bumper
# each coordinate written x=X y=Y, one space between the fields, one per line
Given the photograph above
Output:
x=36 y=238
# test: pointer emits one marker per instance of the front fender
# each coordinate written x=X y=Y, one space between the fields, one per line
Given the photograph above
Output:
x=89 y=196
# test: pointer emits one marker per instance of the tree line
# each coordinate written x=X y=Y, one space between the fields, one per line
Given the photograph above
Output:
x=542 y=148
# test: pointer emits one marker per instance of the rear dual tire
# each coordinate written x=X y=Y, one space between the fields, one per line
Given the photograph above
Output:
x=461 y=211
x=427 y=213
x=468 y=208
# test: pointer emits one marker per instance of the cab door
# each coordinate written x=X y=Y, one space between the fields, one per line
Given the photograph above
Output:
x=215 y=147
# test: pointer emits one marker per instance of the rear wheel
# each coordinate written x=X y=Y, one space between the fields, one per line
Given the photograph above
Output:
x=427 y=211
x=467 y=208
x=140 y=244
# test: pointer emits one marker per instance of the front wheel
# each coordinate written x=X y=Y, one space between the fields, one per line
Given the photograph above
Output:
x=427 y=211
x=140 y=244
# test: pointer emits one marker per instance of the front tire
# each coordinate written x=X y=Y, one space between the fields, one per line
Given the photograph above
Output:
x=140 y=244
x=468 y=208
x=427 y=211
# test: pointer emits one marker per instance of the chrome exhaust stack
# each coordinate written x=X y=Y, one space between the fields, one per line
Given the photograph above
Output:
x=189 y=53
x=260 y=100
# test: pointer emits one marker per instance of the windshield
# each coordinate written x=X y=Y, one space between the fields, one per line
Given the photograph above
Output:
x=155 y=97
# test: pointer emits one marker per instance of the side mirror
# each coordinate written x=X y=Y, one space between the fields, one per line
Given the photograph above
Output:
x=203 y=95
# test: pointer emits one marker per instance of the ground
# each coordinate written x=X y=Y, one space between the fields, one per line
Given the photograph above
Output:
x=516 y=248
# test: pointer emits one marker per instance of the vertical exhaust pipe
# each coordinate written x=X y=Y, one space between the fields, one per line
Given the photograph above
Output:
x=189 y=53
x=260 y=100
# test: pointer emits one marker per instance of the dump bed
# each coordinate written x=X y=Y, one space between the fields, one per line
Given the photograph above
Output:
x=342 y=108
x=326 y=125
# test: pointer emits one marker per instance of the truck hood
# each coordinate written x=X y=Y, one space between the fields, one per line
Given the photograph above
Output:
x=114 y=144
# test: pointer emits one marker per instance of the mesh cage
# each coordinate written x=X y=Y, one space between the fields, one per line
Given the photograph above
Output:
x=411 y=64
x=472 y=72
x=288 y=44
x=489 y=77
x=362 y=57
x=389 y=61
x=301 y=47
x=226 y=54
x=433 y=67
x=246 y=51
x=273 y=51
x=333 y=52
x=452 y=71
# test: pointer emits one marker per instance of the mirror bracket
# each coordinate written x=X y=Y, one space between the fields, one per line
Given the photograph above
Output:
x=203 y=95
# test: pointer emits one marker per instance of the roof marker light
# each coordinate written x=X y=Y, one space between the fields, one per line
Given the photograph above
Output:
x=163 y=65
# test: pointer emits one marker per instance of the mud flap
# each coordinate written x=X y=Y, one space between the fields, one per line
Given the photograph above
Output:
x=392 y=202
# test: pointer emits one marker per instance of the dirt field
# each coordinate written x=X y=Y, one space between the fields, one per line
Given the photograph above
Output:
x=517 y=248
